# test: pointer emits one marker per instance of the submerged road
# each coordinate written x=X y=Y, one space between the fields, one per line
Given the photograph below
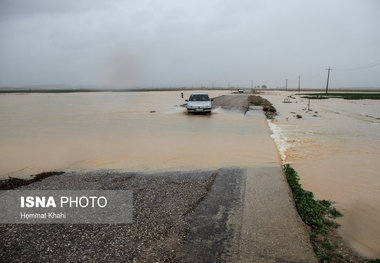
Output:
x=222 y=215
x=237 y=102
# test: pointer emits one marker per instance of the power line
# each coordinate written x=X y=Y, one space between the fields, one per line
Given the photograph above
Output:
x=371 y=65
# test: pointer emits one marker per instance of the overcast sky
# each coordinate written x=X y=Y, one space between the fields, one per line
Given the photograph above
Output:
x=189 y=43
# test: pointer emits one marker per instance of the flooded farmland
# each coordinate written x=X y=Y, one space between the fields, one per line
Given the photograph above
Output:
x=335 y=148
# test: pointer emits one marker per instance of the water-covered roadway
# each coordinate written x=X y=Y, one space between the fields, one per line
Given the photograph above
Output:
x=242 y=214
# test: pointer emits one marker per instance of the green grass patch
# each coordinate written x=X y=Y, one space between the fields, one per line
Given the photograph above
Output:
x=319 y=215
x=315 y=213
x=346 y=96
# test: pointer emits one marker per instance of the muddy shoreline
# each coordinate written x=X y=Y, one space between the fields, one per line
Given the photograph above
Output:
x=335 y=141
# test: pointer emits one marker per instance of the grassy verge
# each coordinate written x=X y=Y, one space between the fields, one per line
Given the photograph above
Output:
x=269 y=110
x=346 y=96
x=319 y=215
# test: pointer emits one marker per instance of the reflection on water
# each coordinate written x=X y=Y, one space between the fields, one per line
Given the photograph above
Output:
x=132 y=131
x=336 y=152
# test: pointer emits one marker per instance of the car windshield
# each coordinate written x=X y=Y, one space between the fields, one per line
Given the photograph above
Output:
x=199 y=97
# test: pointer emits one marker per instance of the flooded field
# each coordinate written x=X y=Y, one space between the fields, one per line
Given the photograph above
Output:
x=335 y=148
x=136 y=131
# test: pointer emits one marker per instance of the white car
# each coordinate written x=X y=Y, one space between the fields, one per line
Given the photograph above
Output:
x=199 y=102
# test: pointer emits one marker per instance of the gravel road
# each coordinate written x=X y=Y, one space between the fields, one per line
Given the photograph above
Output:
x=164 y=220
x=161 y=203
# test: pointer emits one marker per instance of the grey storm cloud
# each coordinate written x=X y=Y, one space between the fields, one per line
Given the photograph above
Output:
x=189 y=43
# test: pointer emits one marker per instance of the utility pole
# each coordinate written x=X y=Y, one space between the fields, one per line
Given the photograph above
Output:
x=328 y=78
x=286 y=84
x=251 y=84
x=299 y=84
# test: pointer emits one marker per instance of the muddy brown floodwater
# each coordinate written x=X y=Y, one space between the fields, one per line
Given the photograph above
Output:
x=135 y=131
x=335 y=148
